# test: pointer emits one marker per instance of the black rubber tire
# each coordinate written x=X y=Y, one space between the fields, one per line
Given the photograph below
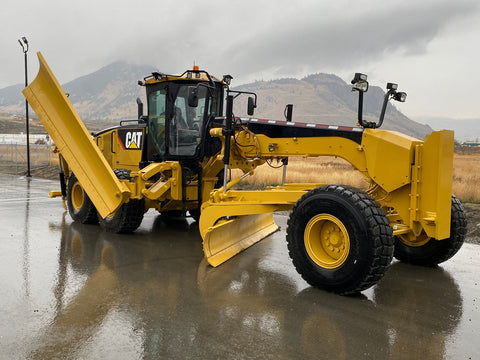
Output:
x=435 y=252
x=175 y=214
x=129 y=216
x=79 y=205
x=364 y=222
x=172 y=214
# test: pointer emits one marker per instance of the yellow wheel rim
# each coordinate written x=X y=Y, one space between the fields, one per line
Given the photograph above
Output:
x=415 y=241
x=327 y=241
x=78 y=196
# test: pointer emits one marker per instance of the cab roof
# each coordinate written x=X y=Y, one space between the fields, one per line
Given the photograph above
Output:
x=189 y=75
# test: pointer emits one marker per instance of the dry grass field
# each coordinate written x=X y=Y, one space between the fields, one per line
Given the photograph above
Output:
x=330 y=170
x=321 y=170
x=466 y=176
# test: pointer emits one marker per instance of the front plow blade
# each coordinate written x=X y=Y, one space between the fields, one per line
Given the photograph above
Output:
x=227 y=238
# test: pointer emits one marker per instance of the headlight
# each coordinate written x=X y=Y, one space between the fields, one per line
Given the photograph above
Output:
x=360 y=82
x=401 y=96
x=361 y=86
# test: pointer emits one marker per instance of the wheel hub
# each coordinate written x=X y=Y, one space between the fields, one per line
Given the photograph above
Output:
x=415 y=241
x=327 y=241
x=78 y=196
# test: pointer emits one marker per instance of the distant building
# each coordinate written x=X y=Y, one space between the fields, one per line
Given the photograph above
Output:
x=471 y=143
x=21 y=139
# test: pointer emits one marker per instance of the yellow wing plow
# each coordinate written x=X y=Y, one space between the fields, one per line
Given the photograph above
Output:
x=73 y=141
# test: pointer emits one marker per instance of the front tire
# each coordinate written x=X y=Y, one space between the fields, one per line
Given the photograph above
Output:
x=79 y=205
x=434 y=252
x=339 y=239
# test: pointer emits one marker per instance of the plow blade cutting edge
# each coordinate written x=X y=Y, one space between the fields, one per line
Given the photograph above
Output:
x=228 y=237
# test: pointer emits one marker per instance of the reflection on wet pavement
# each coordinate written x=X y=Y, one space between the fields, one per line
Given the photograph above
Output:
x=74 y=291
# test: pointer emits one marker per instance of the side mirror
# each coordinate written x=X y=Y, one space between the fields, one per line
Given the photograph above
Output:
x=139 y=108
x=193 y=96
x=251 y=106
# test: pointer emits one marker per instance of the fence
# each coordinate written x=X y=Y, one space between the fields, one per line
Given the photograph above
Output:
x=13 y=157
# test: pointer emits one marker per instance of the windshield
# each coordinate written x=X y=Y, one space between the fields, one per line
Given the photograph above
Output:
x=170 y=117
x=186 y=122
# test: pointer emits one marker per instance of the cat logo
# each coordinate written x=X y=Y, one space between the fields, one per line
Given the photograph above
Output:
x=133 y=140
x=130 y=140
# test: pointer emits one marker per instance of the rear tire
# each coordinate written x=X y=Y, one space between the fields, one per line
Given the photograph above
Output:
x=435 y=251
x=79 y=205
x=129 y=216
x=339 y=239
x=172 y=214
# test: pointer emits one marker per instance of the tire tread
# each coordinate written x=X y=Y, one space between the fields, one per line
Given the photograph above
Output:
x=379 y=231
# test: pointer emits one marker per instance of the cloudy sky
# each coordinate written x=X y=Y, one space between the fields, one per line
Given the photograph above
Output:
x=429 y=47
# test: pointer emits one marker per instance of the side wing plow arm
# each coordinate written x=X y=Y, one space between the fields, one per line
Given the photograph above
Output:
x=55 y=111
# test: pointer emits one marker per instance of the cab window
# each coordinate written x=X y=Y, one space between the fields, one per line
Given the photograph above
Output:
x=156 y=118
x=185 y=126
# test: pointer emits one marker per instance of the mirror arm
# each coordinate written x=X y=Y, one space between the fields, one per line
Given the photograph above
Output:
x=139 y=108
x=384 y=108
x=360 y=109
x=227 y=132
x=361 y=122
x=238 y=93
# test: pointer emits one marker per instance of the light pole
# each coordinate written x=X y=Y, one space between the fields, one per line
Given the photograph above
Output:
x=24 y=44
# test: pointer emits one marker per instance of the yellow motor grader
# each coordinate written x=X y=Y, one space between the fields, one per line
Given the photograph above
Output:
x=176 y=159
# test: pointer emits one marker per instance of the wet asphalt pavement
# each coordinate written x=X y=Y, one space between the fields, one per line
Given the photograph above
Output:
x=71 y=291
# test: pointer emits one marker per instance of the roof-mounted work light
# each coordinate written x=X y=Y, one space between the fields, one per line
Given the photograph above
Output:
x=360 y=82
x=227 y=79
x=392 y=86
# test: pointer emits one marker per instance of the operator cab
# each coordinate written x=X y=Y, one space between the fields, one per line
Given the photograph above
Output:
x=176 y=130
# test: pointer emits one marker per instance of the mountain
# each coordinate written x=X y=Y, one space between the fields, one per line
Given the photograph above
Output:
x=108 y=95
x=327 y=99
x=12 y=100
x=465 y=129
